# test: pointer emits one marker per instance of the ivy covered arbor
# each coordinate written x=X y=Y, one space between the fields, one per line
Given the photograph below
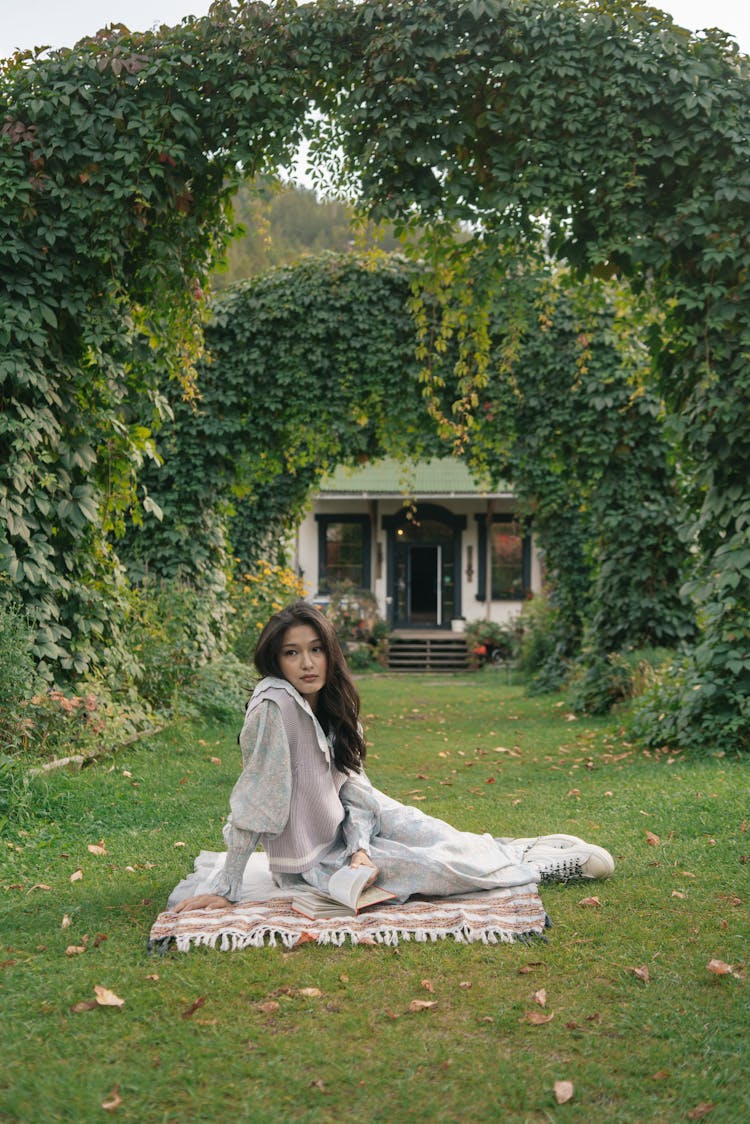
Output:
x=624 y=133
x=314 y=365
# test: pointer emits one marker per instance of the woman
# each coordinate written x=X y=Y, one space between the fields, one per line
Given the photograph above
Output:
x=304 y=796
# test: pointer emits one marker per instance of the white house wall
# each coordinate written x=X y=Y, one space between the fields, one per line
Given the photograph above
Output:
x=306 y=552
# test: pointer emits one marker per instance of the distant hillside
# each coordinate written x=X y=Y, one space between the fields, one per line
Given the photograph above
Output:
x=283 y=223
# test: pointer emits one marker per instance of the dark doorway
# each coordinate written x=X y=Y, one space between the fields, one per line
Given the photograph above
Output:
x=424 y=562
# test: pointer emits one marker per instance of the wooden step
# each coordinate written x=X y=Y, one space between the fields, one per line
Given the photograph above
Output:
x=438 y=652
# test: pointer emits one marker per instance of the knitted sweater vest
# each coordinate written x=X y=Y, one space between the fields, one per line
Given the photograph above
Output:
x=315 y=810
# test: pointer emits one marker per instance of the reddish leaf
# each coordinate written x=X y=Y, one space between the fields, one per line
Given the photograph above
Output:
x=427 y=985
x=194 y=1007
x=719 y=968
x=84 y=1005
x=591 y=902
x=700 y=1110
x=660 y=1075
x=652 y=840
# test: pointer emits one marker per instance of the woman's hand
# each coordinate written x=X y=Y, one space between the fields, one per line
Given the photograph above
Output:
x=201 y=901
x=361 y=858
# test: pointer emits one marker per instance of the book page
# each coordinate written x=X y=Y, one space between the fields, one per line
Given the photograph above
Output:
x=346 y=885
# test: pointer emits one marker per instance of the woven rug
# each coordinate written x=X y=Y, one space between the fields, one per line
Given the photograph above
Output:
x=491 y=917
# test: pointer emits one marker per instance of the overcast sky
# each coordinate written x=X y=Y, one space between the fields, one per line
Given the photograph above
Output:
x=59 y=23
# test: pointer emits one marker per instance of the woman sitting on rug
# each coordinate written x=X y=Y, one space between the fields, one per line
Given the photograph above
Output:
x=304 y=796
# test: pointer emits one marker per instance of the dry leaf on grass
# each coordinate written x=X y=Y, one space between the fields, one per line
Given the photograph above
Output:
x=196 y=1006
x=114 y=1100
x=563 y=1091
x=700 y=1110
x=75 y=949
x=153 y=976
x=97 y=848
x=660 y=1075
x=107 y=998
x=536 y=1018
x=641 y=973
x=84 y=1005
x=540 y=997
x=652 y=840
x=720 y=968
x=678 y=894
x=531 y=967
x=269 y=1007
x=465 y=984
x=590 y=902
x=77 y=875
x=310 y=992
x=40 y=886
x=215 y=760
x=422 y=1004
x=66 y=922
x=428 y=985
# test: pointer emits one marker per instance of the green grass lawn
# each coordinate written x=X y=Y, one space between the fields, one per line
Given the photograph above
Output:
x=474 y=750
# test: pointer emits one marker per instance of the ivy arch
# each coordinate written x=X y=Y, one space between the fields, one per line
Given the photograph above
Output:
x=116 y=161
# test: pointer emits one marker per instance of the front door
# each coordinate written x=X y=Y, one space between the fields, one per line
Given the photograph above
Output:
x=425 y=586
x=423 y=566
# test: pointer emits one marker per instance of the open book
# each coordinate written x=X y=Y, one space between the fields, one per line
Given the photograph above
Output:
x=347 y=895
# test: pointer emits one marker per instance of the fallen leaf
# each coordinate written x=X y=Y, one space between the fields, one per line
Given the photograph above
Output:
x=66 y=922
x=540 y=997
x=75 y=949
x=720 y=968
x=84 y=1005
x=126 y=773
x=563 y=1091
x=428 y=985
x=652 y=840
x=590 y=902
x=97 y=848
x=179 y=843
x=678 y=894
x=269 y=1007
x=422 y=1004
x=530 y=967
x=608 y=793
x=131 y=869
x=344 y=978
x=153 y=976
x=310 y=992
x=486 y=1019
x=99 y=939
x=215 y=760
x=318 y=1084
x=660 y=1075
x=641 y=973
x=196 y=1006
x=536 y=1018
x=115 y=1100
x=700 y=1110
x=107 y=998
x=40 y=886
x=574 y=792
x=391 y=1014
x=465 y=984
x=77 y=875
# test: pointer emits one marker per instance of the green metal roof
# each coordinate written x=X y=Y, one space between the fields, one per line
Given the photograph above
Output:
x=447 y=476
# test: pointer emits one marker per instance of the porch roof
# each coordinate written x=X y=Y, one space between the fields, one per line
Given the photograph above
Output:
x=446 y=476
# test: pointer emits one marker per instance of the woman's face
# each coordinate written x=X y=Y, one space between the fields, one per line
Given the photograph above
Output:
x=303 y=661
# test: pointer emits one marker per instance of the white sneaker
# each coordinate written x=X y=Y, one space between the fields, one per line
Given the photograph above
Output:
x=549 y=840
x=566 y=862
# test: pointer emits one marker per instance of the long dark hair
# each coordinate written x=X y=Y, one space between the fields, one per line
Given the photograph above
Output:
x=338 y=702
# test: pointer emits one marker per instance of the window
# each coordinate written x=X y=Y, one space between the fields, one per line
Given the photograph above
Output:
x=506 y=577
x=343 y=551
x=504 y=559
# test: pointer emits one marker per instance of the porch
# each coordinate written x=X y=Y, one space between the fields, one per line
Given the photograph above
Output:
x=427 y=649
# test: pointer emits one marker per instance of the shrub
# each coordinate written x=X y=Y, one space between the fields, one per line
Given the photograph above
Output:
x=219 y=690
x=17 y=675
x=600 y=682
x=354 y=614
x=545 y=646
x=255 y=596
x=483 y=638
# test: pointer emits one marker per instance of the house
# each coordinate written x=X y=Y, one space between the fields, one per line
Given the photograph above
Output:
x=433 y=546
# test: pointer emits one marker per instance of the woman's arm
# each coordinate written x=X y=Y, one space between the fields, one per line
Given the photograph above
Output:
x=259 y=802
